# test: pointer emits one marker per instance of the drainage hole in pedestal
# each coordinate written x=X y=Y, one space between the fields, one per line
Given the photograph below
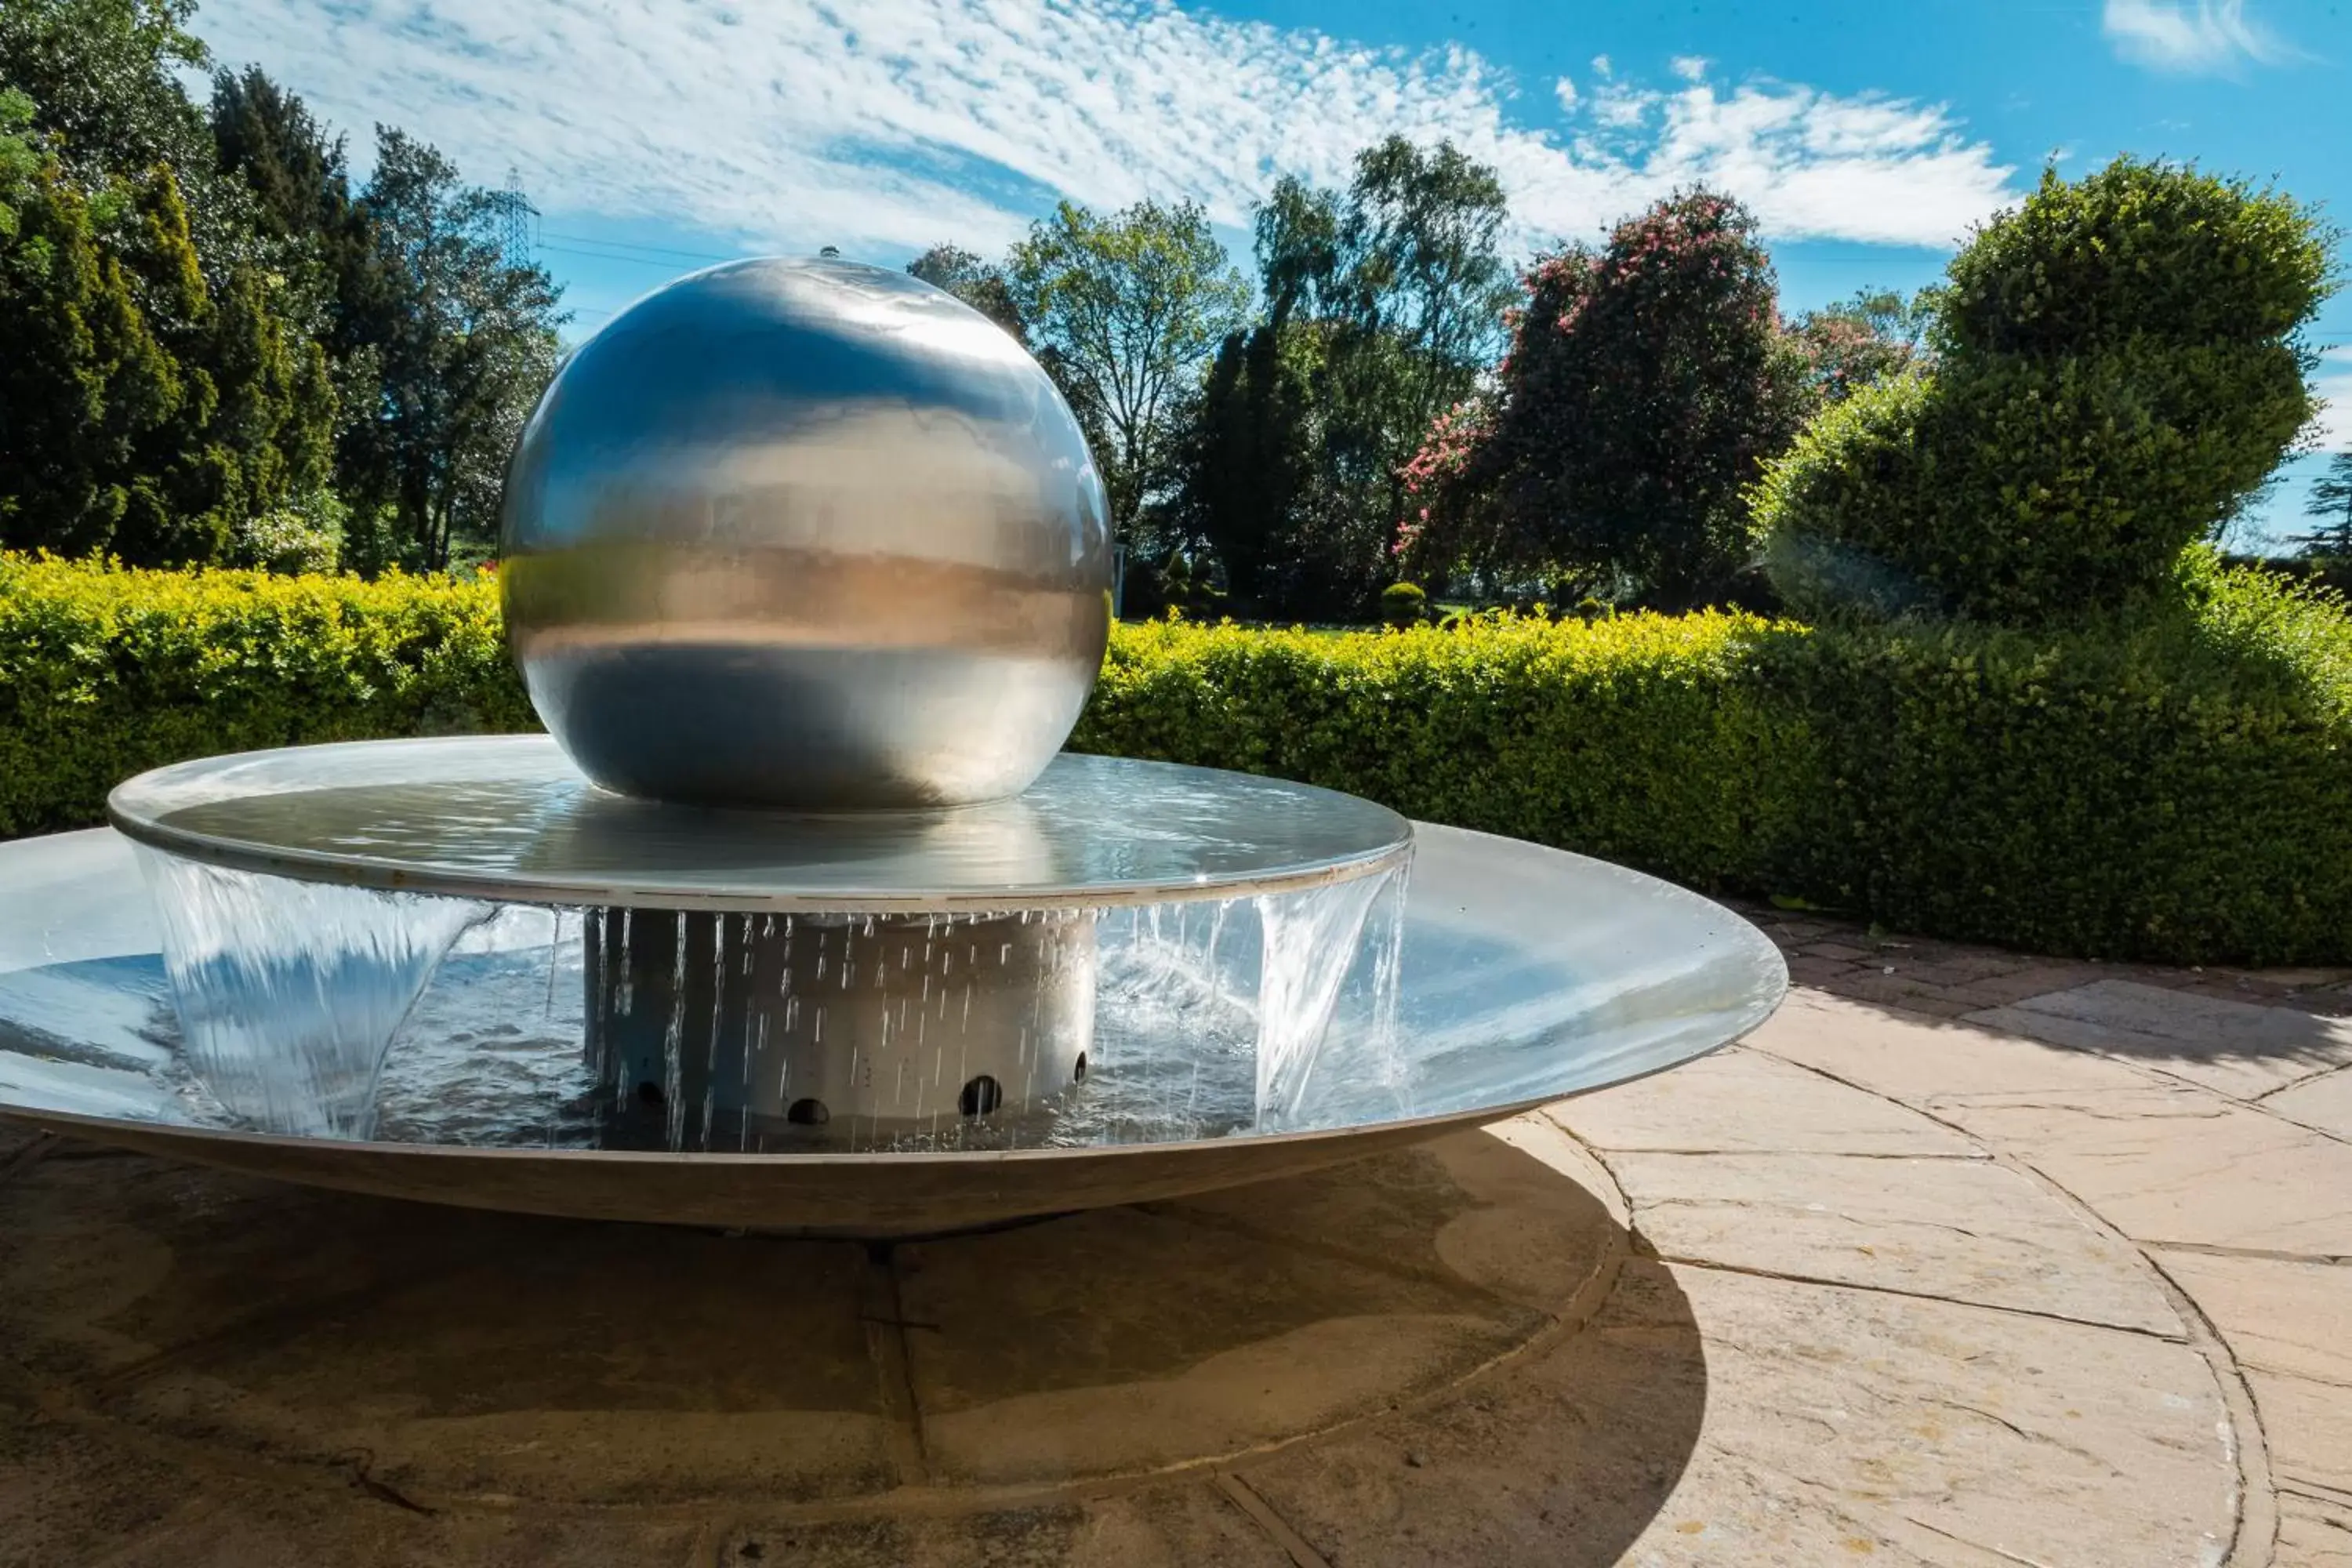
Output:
x=807 y=1113
x=649 y=1092
x=981 y=1096
x=1078 y=1073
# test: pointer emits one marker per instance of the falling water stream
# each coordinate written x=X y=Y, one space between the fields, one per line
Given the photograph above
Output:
x=328 y=1011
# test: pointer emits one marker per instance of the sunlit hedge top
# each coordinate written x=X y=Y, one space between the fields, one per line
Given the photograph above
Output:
x=2174 y=783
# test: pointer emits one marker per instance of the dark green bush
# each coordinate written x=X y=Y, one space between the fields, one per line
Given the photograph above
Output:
x=2174 y=786
x=1403 y=605
x=2171 y=786
x=2115 y=378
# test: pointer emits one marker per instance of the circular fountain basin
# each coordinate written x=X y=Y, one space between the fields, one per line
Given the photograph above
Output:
x=1514 y=976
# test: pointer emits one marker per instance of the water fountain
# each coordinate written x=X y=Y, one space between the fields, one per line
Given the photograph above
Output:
x=796 y=919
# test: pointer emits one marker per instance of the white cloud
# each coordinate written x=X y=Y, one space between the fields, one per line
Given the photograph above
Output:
x=2332 y=428
x=1690 y=68
x=899 y=122
x=1600 y=66
x=1565 y=90
x=2188 y=36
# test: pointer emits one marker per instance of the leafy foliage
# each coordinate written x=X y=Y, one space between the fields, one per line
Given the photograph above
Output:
x=145 y=408
x=1383 y=306
x=1646 y=383
x=1122 y=310
x=216 y=344
x=2167 y=784
x=2167 y=787
x=460 y=341
x=2331 y=505
x=1404 y=605
x=2114 y=378
x=2139 y=249
x=1862 y=342
x=973 y=281
x=105 y=672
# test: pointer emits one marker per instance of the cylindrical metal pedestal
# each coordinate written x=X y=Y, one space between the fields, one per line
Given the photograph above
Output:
x=772 y=1020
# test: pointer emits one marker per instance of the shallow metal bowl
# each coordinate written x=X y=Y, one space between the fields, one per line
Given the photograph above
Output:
x=1528 y=975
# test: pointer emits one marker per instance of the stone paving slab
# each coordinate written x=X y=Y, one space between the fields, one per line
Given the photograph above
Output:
x=2240 y=1049
x=2280 y=1314
x=1916 y=1060
x=1961 y=1230
x=2177 y=1165
x=2314 y=1533
x=2308 y=1426
x=1839 y=1425
x=2322 y=1103
x=1740 y=1101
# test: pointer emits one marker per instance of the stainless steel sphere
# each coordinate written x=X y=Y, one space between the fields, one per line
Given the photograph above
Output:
x=805 y=534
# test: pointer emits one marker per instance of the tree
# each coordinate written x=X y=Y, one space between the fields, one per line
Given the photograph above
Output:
x=1423 y=274
x=105 y=77
x=1244 y=464
x=1865 y=340
x=1384 y=306
x=975 y=282
x=144 y=410
x=2331 y=502
x=1123 y=310
x=459 y=345
x=1647 y=382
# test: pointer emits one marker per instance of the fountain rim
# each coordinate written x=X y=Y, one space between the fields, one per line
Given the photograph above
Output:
x=1405 y=1129
x=146 y=823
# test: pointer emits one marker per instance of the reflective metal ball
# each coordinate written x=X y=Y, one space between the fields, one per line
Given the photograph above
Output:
x=805 y=534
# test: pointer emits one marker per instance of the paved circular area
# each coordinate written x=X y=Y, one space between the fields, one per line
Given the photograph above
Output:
x=1772 y=1308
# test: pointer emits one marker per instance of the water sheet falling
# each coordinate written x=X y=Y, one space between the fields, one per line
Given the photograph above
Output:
x=288 y=992
x=1312 y=940
x=1184 y=1020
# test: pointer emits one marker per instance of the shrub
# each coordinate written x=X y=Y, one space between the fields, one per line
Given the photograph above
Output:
x=2018 y=487
x=2114 y=379
x=2170 y=784
x=1403 y=605
x=2138 y=247
x=105 y=672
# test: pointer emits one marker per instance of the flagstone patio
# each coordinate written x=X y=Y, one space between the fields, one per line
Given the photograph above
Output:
x=1965 y=1258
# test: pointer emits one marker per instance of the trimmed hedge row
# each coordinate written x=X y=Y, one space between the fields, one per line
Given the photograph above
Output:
x=105 y=672
x=2174 y=787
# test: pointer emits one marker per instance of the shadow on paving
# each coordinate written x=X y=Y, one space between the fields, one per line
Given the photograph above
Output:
x=1395 y=1355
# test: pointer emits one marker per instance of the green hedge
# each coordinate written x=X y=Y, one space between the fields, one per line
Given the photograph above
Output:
x=105 y=672
x=2174 y=787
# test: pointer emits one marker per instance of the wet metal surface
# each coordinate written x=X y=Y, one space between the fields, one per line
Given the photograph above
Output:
x=508 y=817
x=807 y=533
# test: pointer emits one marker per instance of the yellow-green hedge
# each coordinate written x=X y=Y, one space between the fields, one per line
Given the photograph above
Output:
x=105 y=672
x=2176 y=787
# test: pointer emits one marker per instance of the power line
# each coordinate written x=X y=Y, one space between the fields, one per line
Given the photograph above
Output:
x=632 y=245
x=608 y=256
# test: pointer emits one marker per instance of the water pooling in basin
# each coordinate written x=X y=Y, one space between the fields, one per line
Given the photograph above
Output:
x=341 y=1012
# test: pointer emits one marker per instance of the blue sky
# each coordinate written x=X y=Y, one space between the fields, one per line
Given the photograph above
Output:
x=656 y=135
